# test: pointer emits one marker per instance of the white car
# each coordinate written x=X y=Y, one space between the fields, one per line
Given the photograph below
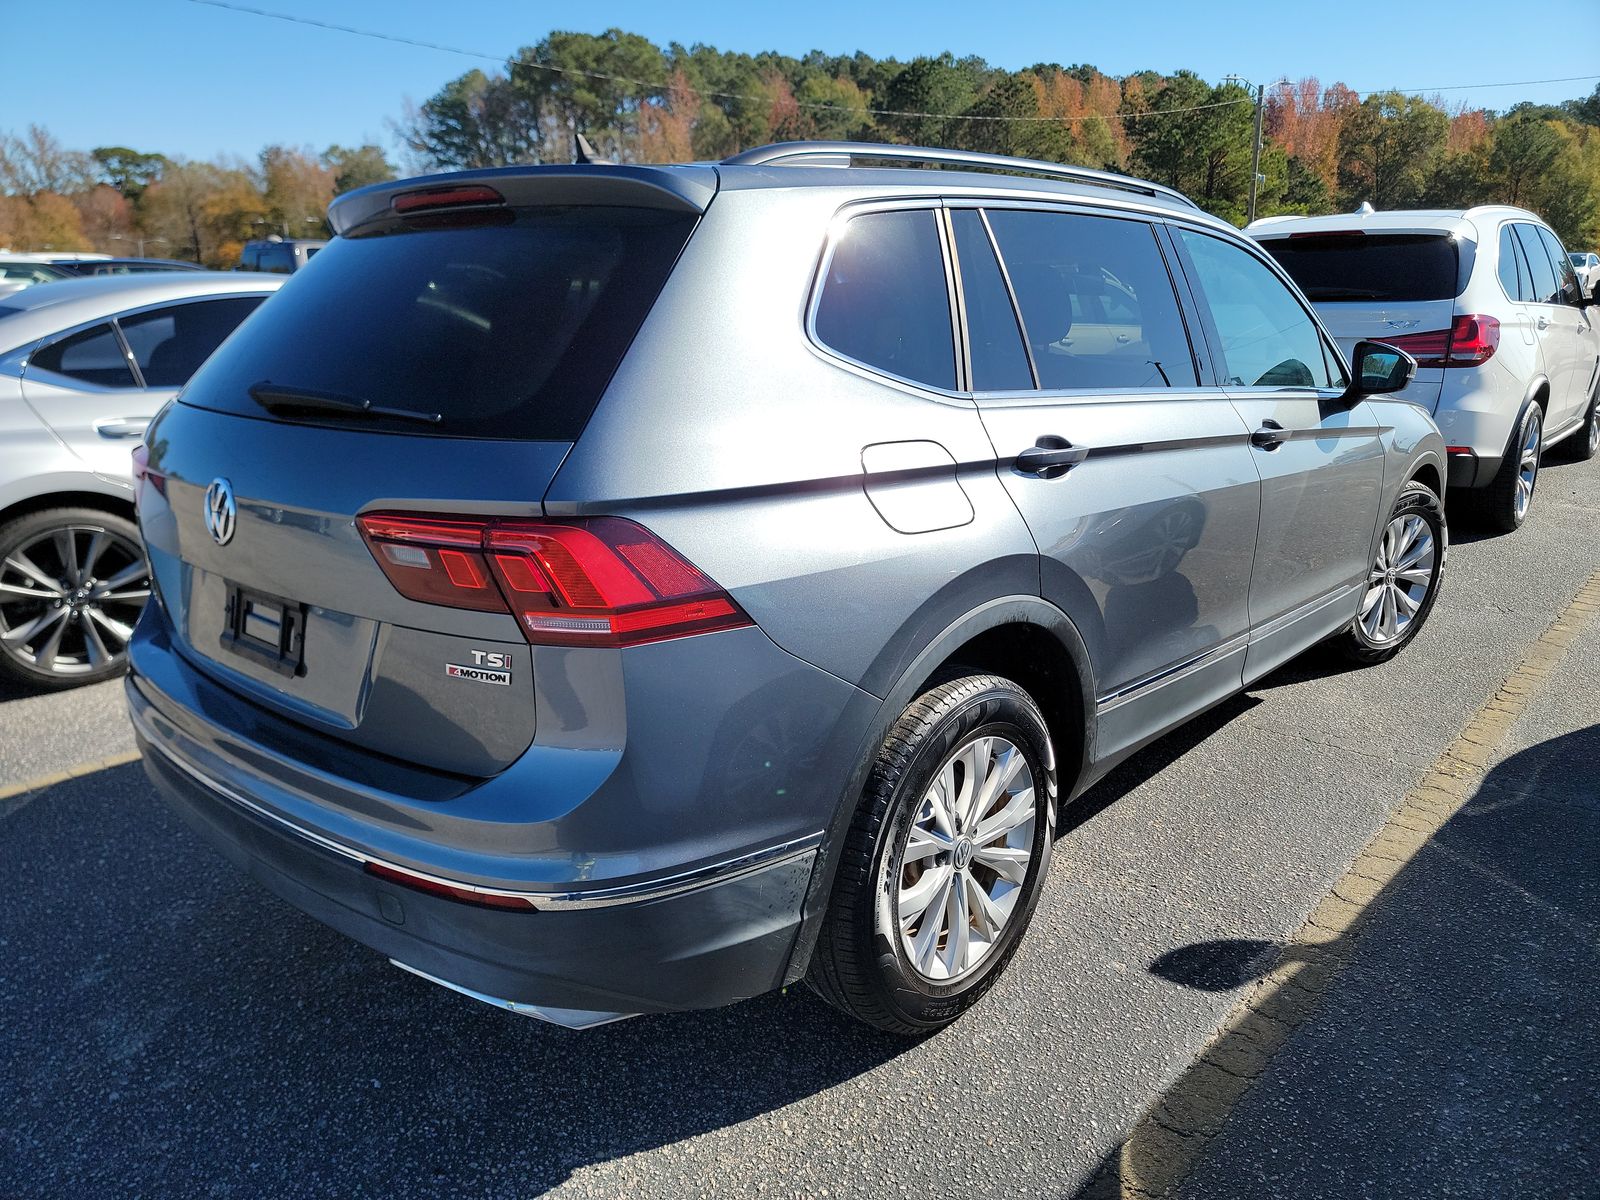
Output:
x=1587 y=265
x=1488 y=303
x=84 y=365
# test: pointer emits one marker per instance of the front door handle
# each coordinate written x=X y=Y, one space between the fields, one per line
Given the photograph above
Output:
x=1544 y=321
x=1050 y=456
x=1270 y=436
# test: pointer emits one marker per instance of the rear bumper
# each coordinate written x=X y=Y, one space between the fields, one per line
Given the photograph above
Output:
x=710 y=940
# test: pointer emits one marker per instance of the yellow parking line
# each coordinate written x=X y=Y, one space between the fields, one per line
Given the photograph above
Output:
x=1170 y=1138
x=10 y=790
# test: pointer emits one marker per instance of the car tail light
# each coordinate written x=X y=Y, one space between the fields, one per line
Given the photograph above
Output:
x=142 y=474
x=590 y=581
x=1470 y=340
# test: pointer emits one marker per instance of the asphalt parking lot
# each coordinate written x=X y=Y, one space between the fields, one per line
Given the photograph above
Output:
x=170 y=1030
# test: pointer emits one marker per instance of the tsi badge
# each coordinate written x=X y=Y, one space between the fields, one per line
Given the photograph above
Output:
x=489 y=666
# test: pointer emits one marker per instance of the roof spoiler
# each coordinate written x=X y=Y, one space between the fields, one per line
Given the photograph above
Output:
x=687 y=189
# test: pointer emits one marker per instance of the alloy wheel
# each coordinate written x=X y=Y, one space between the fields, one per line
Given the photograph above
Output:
x=69 y=598
x=1399 y=580
x=966 y=858
x=1528 y=464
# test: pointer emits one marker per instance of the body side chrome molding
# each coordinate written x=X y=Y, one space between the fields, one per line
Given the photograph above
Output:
x=1166 y=675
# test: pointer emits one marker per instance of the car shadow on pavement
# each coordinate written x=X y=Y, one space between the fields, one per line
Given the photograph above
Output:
x=1445 y=1041
x=171 y=1029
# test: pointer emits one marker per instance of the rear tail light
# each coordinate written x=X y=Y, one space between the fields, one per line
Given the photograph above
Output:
x=143 y=475
x=592 y=581
x=1470 y=340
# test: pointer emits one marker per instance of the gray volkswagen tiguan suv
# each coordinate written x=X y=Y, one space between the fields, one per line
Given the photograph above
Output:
x=618 y=589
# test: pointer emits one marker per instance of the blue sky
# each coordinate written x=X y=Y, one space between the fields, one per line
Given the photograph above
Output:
x=184 y=79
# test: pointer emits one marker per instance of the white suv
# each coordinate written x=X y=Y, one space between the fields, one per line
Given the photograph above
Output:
x=1487 y=301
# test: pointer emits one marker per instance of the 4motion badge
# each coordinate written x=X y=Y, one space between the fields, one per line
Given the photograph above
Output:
x=489 y=666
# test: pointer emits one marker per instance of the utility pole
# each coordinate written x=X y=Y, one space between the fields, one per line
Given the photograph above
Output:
x=1255 y=153
x=1255 y=137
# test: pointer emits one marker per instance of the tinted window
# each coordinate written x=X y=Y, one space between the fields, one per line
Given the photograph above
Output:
x=1267 y=338
x=92 y=356
x=1364 y=266
x=1097 y=302
x=507 y=330
x=1567 y=278
x=999 y=362
x=884 y=301
x=1513 y=270
x=1545 y=288
x=169 y=344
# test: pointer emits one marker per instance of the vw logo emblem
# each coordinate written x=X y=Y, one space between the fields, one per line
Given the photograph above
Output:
x=221 y=511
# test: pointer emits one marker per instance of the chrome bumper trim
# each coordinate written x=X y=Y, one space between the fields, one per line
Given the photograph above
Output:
x=543 y=901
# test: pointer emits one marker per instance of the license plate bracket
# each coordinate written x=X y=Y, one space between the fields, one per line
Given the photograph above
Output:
x=268 y=629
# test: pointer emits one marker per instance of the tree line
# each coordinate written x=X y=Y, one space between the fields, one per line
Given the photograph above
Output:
x=1325 y=149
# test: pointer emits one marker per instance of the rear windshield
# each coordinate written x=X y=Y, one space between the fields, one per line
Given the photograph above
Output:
x=506 y=330
x=1343 y=266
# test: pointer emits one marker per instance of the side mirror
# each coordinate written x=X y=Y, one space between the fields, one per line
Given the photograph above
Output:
x=1379 y=370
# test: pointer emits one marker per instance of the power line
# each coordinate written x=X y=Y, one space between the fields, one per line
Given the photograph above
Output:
x=652 y=86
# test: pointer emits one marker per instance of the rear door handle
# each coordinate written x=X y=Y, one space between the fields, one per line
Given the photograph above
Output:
x=1050 y=456
x=1544 y=321
x=1270 y=436
x=122 y=427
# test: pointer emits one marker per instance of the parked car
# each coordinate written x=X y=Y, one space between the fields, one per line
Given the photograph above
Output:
x=128 y=266
x=1488 y=303
x=277 y=255
x=17 y=273
x=1587 y=265
x=84 y=365
x=616 y=589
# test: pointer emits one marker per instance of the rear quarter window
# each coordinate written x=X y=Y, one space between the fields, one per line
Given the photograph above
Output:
x=507 y=330
x=883 y=300
x=1367 y=266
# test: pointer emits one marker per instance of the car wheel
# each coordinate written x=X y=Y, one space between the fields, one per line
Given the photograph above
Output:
x=943 y=864
x=1583 y=445
x=72 y=583
x=1503 y=505
x=1403 y=581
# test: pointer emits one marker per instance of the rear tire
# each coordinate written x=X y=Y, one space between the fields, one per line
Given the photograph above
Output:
x=72 y=583
x=963 y=784
x=1583 y=445
x=1503 y=506
x=1404 y=579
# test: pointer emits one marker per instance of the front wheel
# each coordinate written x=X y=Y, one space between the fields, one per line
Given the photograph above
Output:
x=942 y=867
x=1403 y=581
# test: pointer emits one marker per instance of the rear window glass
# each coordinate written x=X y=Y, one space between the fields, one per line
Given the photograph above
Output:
x=507 y=331
x=169 y=344
x=1369 y=266
x=91 y=356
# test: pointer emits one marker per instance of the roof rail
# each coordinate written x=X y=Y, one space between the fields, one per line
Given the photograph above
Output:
x=846 y=154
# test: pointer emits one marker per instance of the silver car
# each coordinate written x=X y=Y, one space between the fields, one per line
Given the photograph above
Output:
x=619 y=589
x=84 y=365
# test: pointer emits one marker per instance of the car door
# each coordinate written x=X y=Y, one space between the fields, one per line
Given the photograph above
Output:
x=97 y=387
x=1544 y=306
x=1573 y=334
x=1133 y=475
x=1320 y=460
